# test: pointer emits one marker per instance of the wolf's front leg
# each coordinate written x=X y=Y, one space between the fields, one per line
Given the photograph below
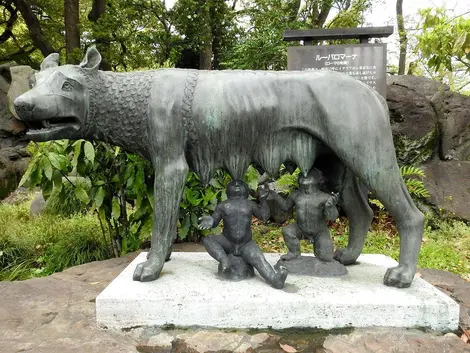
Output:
x=168 y=188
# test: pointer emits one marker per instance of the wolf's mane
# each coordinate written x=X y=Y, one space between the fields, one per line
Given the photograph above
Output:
x=118 y=107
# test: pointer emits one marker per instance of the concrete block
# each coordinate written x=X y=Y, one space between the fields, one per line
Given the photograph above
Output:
x=189 y=293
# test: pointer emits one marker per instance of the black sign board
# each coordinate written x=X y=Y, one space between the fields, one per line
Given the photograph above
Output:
x=365 y=62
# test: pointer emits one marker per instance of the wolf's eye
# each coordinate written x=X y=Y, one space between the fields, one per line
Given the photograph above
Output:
x=67 y=86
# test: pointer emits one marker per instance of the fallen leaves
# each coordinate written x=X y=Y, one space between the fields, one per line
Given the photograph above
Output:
x=465 y=335
x=287 y=348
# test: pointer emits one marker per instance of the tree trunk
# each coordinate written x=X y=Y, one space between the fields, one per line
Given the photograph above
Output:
x=205 y=54
x=403 y=38
x=72 y=32
x=294 y=10
x=8 y=30
x=98 y=10
x=34 y=27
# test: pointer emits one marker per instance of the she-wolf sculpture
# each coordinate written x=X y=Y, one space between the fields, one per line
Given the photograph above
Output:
x=181 y=119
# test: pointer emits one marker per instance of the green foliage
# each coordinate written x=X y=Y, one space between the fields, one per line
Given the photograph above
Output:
x=353 y=16
x=444 y=39
x=445 y=247
x=43 y=244
x=118 y=188
x=260 y=45
x=415 y=186
x=443 y=47
x=116 y=185
x=198 y=201
x=64 y=201
x=288 y=182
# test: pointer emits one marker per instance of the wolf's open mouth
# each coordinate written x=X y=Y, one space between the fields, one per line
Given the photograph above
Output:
x=52 y=124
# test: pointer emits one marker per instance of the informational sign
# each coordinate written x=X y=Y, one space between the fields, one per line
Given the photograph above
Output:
x=365 y=62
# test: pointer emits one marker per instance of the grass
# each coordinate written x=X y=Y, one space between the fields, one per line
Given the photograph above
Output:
x=40 y=245
x=446 y=244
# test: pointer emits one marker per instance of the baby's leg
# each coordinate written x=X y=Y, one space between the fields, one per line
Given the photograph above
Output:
x=291 y=234
x=252 y=254
x=323 y=245
x=218 y=246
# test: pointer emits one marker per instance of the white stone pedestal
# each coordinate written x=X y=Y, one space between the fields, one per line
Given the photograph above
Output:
x=189 y=293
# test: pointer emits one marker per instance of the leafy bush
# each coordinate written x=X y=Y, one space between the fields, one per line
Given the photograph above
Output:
x=119 y=190
x=197 y=201
x=412 y=177
x=64 y=201
x=40 y=245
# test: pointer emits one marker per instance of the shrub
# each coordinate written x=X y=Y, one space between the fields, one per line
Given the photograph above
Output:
x=64 y=201
x=40 y=245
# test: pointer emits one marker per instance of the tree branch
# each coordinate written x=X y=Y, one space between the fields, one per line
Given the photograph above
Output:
x=98 y=9
x=325 y=8
x=34 y=27
x=18 y=56
x=8 y=32
x=402 y=37
x=72 y=33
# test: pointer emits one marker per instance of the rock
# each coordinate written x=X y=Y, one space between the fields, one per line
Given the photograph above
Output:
x=5 y=77
x=37 y=205
x=454 y=117
x=13 y=164
x=449 y=186
x=422 y=85
x=260 y=338
x=454 y=286
x=13 y=155
x=414 y=124
x=161 y=340
x=18 y=196
x=210 y=341
x=56 y=314
x=20 y=76
x=391 y=340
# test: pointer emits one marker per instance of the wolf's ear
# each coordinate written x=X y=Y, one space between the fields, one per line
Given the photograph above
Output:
x=92 y=59
x=52 y=60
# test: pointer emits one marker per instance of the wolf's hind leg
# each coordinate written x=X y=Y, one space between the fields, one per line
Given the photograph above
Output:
x=354 y=203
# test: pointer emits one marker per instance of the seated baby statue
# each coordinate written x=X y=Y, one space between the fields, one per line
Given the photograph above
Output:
x=313 y=208
x=237 y=212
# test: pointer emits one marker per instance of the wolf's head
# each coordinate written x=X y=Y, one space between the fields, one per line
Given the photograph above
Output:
x=58 y=104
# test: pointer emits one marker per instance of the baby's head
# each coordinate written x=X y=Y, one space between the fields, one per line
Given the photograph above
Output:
x=313 y=179
x=237 y=188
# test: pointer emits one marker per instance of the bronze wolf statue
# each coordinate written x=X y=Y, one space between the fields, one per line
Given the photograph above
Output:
x=181 y=119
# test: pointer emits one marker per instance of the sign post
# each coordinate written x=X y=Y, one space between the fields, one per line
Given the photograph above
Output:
x=365 y=62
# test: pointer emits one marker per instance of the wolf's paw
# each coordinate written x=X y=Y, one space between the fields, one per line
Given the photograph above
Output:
x=148 y=271
x=400 y=276
x=345 y=256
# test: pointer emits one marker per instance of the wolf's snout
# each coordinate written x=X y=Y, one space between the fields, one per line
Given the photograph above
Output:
x=23 y=105
x=23 y=108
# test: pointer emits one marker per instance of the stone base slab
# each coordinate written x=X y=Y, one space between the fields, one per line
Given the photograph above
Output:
x=189 y=293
